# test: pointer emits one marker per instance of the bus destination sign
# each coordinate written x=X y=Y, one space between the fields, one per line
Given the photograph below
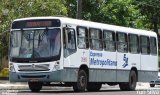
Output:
x=39 y=24
x=36 y=23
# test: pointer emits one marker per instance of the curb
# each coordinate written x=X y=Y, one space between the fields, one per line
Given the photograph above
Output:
x=25 y=87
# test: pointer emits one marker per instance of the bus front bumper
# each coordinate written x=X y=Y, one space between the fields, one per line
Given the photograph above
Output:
x=65 y=75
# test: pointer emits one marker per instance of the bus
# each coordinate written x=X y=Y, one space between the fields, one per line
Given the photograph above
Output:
x=49 y=51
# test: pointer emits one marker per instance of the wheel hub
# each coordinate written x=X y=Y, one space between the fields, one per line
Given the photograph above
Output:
x=82 y=81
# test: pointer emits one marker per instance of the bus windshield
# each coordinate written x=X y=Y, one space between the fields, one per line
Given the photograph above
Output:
x=41 y=43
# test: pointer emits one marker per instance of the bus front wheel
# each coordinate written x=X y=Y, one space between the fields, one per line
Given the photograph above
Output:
x=35 y=86
x=81 y=83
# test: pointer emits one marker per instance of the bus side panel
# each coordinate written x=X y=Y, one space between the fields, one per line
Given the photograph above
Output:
x=73 y=63
x=147 y=76
x=103 y=66
x=102 y=75
x=126 y=61
x=69 y=75
x=148 y=68
x=122 y=67
x=76 y=59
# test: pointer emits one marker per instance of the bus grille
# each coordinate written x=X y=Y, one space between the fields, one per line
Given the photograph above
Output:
x=34 y=67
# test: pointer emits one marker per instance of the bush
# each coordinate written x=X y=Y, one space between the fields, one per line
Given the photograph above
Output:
x=5 y=72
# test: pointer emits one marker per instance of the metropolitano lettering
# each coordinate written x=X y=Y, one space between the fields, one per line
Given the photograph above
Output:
x=96 y=59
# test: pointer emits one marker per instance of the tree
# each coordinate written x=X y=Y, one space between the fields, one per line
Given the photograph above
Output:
x=71 y=8
x=117 y=12
x=12 y=9
x=151 y=9
x=120 y=12
x=30 y=8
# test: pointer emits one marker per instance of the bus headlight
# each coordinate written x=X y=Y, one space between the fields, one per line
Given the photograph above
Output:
x=57 y=66
x=11 y=67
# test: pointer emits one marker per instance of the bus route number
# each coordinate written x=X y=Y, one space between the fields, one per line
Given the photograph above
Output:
x=83 y=59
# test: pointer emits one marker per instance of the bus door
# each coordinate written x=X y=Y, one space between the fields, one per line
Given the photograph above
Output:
x=69 y=42
x=69 y=51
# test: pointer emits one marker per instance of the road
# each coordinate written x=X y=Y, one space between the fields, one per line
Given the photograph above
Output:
x=50 y=92
x=105 y=90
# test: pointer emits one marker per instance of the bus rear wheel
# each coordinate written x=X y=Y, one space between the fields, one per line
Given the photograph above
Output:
x=131 y=85
x=152 y=85
x=35 y=86
x=94 y=86
x=81 y=83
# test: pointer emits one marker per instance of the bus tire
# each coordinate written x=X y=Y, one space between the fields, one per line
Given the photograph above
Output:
x=152 y=85
x=94 y=86
x=123 y=86
x=35 y=86
x=131 y=85
x=81 y=83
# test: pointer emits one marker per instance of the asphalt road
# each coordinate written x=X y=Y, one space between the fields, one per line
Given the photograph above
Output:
x=49 y=92
x=69 y=91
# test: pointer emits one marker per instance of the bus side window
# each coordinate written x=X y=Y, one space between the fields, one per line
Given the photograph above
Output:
x=153 y=46
x=122 y=44
x=144 y=42
x=69 y=41
x=82 y=34
x=133 y=43
x=109 y=40
x=95 y=39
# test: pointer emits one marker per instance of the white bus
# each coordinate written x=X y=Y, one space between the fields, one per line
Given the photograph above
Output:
x=47 y=51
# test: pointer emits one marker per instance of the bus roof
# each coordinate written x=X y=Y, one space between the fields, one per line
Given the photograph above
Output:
x=91 y=24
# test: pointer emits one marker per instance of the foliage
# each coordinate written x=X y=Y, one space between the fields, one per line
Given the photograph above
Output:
x=122 y=13
x=117 y=12
x=12 y=9
x=129 y=13
x=151 y=9
x=29 y=8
